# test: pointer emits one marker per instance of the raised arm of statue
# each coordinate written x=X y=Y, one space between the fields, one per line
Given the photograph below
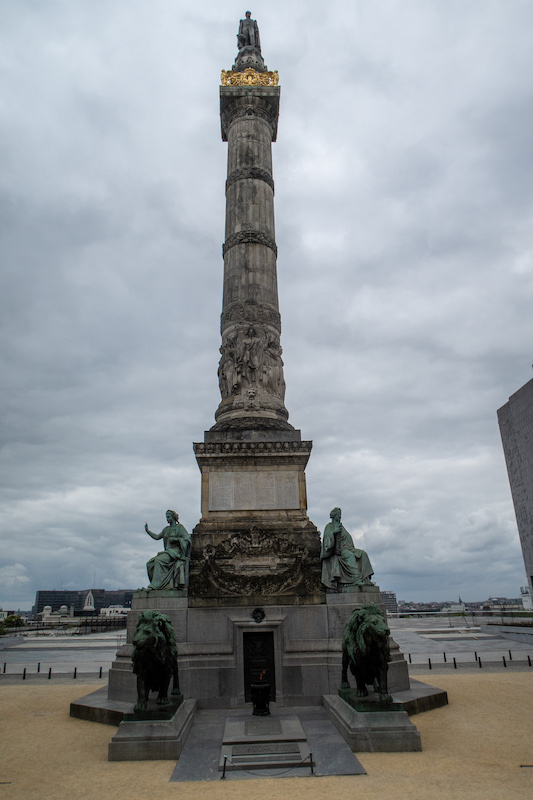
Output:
x=153 y=535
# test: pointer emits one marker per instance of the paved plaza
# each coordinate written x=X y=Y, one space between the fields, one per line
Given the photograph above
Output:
x=420 y=638
x=434 y=638
x=62 y=653
x=479 y=747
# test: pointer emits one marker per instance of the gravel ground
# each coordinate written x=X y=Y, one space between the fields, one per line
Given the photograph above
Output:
x=473 y=748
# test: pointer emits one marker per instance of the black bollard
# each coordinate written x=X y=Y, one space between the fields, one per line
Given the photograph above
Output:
x=75 y=672
x=429 y=662
x=510 y=656
x=444 y=654
x=475 y=654
x=479 y=662
x=24 y=674
x=454 y=663
x=409 y=654
x=49 y=673
x=100 y=675
x=529 y=660
x=504 y=661
x=39 y=667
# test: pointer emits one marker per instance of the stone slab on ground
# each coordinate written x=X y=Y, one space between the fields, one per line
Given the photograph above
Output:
x=264 y=755
x=263 y=729
x=153 y=740
x=516 y=633
x=375 y=731
x=97 y=707
x=420 y=697
x=200 y=757
x=263 y=743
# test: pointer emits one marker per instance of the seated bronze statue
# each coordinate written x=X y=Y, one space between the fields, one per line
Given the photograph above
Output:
x=343 y=564
x=169 y=569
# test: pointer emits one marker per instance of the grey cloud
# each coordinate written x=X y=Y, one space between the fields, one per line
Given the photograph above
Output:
x=403 y=226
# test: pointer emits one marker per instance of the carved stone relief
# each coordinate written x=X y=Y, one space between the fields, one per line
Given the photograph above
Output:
x=255 y=563
x=251 y=312
x=250 y=363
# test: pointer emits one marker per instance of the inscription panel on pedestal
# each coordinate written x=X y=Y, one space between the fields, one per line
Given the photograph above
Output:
x=265 y=490
x=253 y=491
x=221 y=491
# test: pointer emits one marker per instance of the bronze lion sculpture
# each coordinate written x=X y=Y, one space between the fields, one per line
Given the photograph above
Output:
x=365 y=649
x=155 y=658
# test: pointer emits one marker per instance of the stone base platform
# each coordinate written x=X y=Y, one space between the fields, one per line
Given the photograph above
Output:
x=370 y=726
x=98 y=707
x=417 y=698
x=421 y=697
x=305 y=640
x=263 y=743
x=153 y=739
x=373 y=731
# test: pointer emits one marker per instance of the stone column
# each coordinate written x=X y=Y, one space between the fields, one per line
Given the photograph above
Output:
x=254 y=542
x=251 y=369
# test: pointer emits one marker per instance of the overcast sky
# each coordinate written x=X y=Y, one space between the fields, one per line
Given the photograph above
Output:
x=404 y=176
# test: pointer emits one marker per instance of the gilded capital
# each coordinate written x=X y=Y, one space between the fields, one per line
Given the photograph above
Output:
x=249 y=77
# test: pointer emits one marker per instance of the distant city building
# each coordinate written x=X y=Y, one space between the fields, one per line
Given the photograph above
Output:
x=526 y=598
x=491 y=604
x=406 y=606
x=114 y=611
x=390 y=602
x=454 y=608
x=503 y=604
x=89 y=603
x=85 y=602
x=60 y=615
x=516 y=427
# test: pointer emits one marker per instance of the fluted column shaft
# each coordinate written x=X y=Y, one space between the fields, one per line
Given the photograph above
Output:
x=251 y=370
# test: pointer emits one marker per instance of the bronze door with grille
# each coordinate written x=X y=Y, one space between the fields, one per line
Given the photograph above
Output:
x=258 y=658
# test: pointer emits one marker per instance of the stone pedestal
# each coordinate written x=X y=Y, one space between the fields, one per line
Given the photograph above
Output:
x=373 y=731
x=153 y=739
x=255 y=538
x=306 y=640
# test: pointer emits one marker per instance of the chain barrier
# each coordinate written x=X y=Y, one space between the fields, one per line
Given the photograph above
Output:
x=308 y=758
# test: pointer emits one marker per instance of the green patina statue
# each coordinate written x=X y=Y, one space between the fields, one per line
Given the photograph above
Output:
x=343 y=564
x=169 y=569
x=154 y=658
x=366 y=650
